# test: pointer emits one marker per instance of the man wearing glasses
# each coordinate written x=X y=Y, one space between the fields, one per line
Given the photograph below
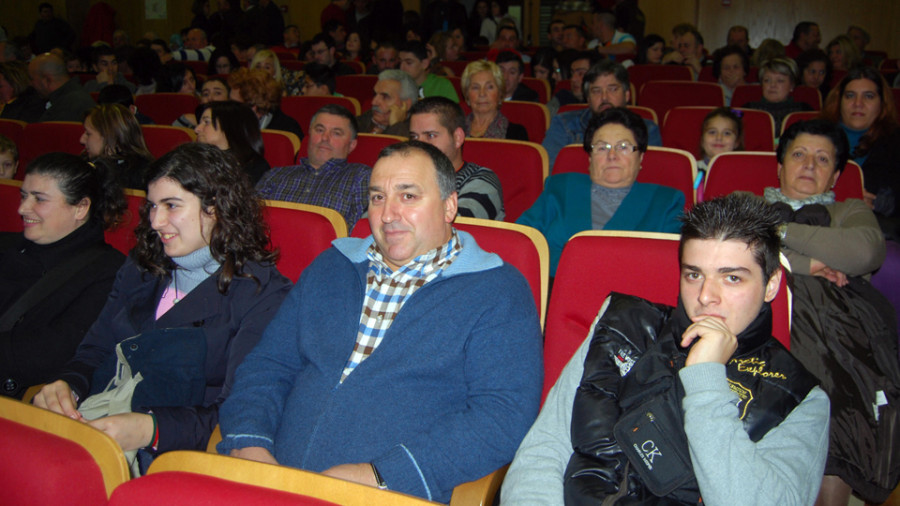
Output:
x=605 y=85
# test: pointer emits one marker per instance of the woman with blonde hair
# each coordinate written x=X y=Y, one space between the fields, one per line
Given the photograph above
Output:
x=778 y=78
x=259 y=89
x=484 y=88
x=843 y=53
x=291 y=81
x=111 y=132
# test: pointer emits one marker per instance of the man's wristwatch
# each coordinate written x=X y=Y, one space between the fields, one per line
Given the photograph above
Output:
x=379 y=481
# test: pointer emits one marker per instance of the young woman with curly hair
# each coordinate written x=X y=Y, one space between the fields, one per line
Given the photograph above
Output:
x=190 y=302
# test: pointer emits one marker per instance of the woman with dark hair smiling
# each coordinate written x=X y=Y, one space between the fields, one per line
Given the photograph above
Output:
x=190 y=302
x=232 y=126
x=66 y=205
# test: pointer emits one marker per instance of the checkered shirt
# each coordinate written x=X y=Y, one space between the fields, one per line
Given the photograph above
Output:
x=387 y=291
x=337 y=185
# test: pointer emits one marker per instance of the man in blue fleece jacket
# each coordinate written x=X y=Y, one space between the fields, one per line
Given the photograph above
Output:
x=410 y=360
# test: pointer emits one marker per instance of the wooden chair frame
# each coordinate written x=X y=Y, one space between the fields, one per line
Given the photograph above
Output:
x=105 y=451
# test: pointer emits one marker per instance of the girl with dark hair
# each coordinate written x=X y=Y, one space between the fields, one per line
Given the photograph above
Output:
x=814 y=69
x=201 y=286
x=112 y=132
x=863 y=104
x=651 y=49
x=178 y=78
x=731 y=66
x=222 y=62
x=232 y=126
x=62 y=258
x=542 y=65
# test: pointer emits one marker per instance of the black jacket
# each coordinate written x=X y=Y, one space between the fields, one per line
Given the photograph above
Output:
x=634 y=357
x=46 y=336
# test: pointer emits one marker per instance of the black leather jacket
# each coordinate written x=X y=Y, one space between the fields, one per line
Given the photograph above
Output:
x=634 y=357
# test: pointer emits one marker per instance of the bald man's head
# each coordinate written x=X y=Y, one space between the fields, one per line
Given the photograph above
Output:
x=48 y=72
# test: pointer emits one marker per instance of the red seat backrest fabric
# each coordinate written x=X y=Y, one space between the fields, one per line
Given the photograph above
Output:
x=754 y=171
x=664 y=95
x=300 y=237
x=796 y=117
x=122 y=237
x=177 y=487
x=582 y=284
x=540 y=86
x=47 y=137
x=522 y=181
x=533 y=116
x=161 y=139
x=644 y=112
x=165 y=108
x=279 y=150
x=659 y=166
x=10 y=221
x=682 y=129
x=642 y=73
x=513 y=247
x=357 y=66
x=458 y=67
x=359 y=86
x=571 y=107
x=368 y=146
x=41 y=468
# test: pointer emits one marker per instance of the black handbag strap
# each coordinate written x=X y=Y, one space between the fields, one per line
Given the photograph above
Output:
x=54 y=279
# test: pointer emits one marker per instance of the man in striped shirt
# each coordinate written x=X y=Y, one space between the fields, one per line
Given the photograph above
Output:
x=440 y=122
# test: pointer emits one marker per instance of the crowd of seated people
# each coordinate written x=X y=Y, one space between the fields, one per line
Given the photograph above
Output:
x=243 y=77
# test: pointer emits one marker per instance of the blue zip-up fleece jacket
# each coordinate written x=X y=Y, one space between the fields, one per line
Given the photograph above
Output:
x=446 y=398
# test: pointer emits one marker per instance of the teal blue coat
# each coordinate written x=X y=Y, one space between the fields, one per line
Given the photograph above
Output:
x=564 y=209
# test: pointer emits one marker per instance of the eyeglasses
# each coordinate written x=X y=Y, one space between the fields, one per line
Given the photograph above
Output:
x=621 y=147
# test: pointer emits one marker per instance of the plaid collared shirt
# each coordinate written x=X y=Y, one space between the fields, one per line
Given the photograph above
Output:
x=387 y=291
x=337 y=185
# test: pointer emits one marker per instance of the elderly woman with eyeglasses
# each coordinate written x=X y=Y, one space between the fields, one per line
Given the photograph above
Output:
x=608 y=198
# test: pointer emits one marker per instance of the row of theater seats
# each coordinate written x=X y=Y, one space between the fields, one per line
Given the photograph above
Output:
x=522 y=182
x=581 y=284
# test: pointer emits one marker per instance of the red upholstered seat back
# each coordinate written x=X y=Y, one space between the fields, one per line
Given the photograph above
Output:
x=520 y=166
x=10 y=221
x=37 y=467
x=682 y=125
x=301 y=232
x=165 y=108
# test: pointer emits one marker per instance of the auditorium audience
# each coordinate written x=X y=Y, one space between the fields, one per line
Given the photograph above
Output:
x=863 y=104
x=222 y=62
x=291 y=80
x=66 y=205
x=814 y=67
x=833 y=248
x=843 y=54
x=107 y=68
x=651 y=49
x=778 y=78
x=201 y=285
x=232 y=126
x=9 y=158
x=111 y=132
x=484 y=88
x=215 y=89
x=722 y=132
x=259 y=90
x=608 y=198
x=731 y=65
x=20 y=100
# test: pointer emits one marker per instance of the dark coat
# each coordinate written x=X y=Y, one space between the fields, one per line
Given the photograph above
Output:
x=232 y=324
x=285 y=123
x=46 y=336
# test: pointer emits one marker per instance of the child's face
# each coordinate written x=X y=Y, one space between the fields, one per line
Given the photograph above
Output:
x=8 y=166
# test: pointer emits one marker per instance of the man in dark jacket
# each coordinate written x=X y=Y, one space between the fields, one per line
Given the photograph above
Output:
x=696 y=400
x=66 y=99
